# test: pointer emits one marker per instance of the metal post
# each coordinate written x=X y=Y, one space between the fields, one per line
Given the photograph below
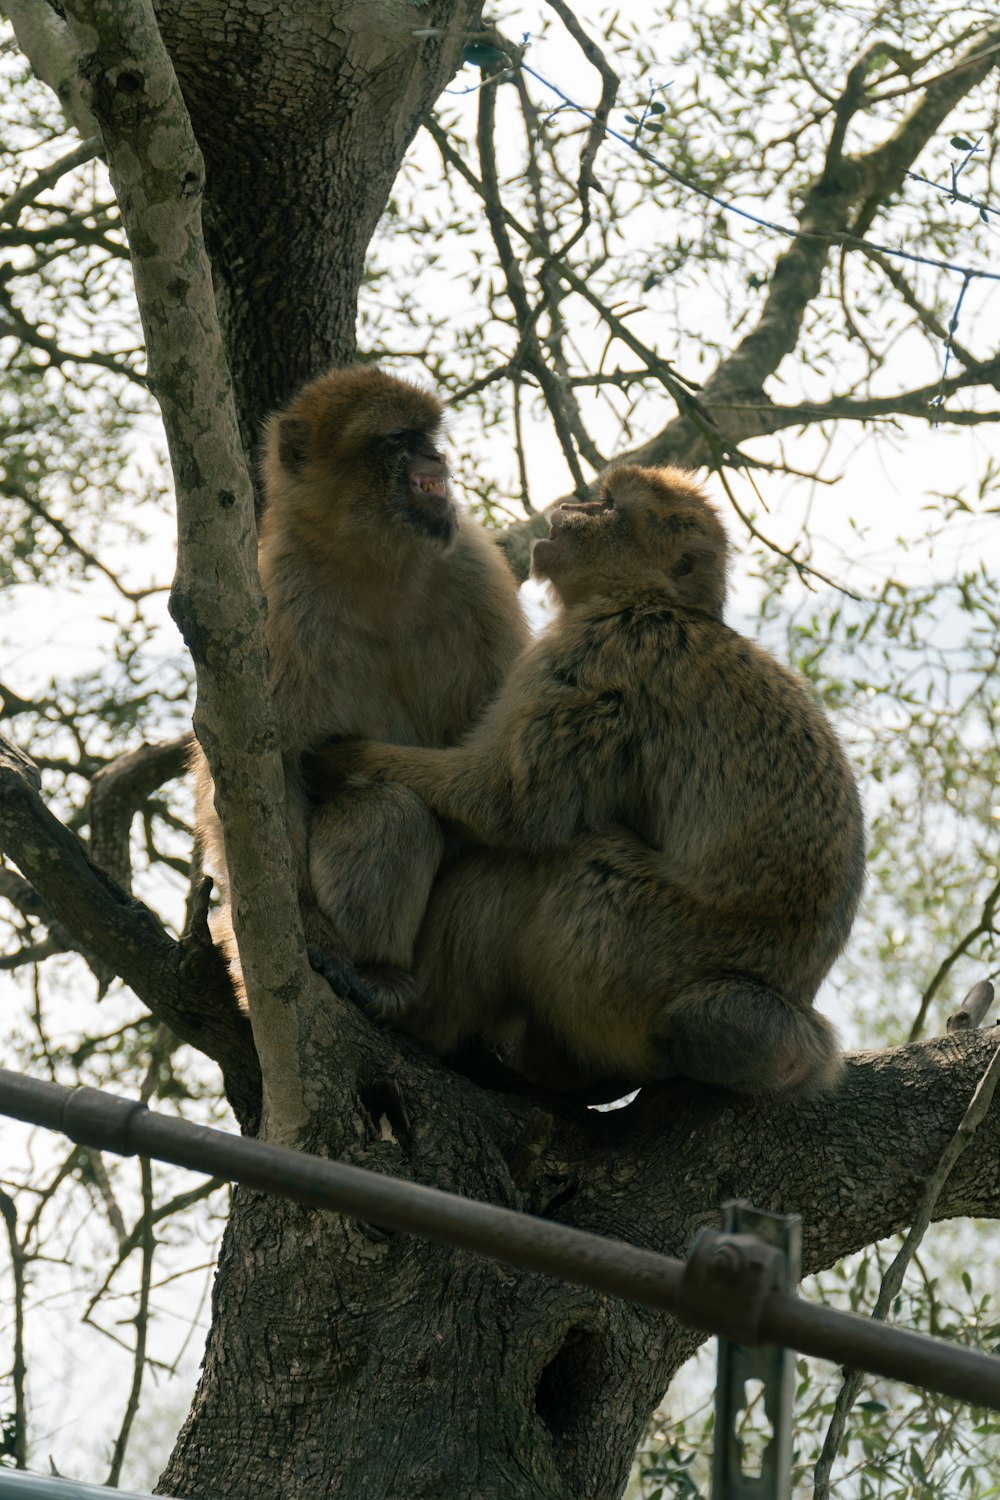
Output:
x=755 y=1255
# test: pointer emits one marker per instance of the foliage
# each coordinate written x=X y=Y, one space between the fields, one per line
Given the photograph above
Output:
x=901 y=1440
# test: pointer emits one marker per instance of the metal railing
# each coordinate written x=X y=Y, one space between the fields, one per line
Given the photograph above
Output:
x=19 y=1485
x=720 y=1289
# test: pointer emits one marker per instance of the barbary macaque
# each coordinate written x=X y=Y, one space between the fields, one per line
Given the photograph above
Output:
x=388 y=617
x=667 y=841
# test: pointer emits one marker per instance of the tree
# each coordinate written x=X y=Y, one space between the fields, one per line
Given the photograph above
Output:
x=341 y=1360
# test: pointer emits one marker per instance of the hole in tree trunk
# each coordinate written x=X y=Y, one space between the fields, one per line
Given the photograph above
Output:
x=383 y=1113
x=570 y=1384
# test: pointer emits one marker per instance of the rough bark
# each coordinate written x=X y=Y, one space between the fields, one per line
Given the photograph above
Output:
x=157 y=171
x=304 y=112
x=398 y=1369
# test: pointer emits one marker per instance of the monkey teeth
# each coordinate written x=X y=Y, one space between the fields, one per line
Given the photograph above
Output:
x=430 y=484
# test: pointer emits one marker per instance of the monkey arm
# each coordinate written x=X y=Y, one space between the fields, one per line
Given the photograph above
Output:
x=539 y=768
x=444 y=779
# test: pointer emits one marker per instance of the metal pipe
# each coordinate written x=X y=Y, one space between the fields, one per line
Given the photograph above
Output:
x=20 y=1485
x=93 y=1118
x=882 y=1349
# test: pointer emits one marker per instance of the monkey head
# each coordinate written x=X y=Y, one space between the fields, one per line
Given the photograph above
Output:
x=355 y=458
x=649 y=530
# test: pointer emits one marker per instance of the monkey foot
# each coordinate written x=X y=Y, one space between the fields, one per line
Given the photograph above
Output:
x=341 y=975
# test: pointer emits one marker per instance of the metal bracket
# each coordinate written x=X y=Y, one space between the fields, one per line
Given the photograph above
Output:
x=754 y=1254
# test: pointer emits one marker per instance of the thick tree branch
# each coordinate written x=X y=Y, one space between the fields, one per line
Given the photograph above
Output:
x=116 y=793
x=838 y=208
x=892 y=1281
x=157 y=171
x=43 y=38
x=761 y=418
x=184 y=984
x=854 y=1164
x=885 y=166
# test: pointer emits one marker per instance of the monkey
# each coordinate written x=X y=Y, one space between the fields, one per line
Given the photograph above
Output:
x=664 y=840
x=389 y=616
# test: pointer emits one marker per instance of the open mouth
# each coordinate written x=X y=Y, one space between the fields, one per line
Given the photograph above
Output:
x=433 y=485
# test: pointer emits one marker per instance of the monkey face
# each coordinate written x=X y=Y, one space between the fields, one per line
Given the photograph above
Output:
x=354 y=460
x=648 y=530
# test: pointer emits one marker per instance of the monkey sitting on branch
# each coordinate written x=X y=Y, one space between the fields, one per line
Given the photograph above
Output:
x=388 y=617
x=667 y=841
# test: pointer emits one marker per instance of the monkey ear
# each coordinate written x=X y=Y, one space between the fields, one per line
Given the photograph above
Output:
x=698 y=577
x=293 y=442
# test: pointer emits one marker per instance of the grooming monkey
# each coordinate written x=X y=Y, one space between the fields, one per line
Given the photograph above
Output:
x=671 y=844
x=388 y=617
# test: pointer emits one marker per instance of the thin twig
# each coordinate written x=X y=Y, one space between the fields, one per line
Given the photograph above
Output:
x=529 y=351
x=610 y=82
x=19 y=1436
x=827 y=237
x=141 y=1325
x=10 y=210
x=985 y=925
x=134 y=596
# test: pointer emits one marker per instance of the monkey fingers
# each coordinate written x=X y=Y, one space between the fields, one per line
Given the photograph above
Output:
x=385 y=994
x=392 y=993
x=341 y=975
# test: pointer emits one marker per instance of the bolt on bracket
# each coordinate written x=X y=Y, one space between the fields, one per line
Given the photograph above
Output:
x=732 y=1271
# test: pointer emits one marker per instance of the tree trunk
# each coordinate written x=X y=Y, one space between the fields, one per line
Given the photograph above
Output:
x=348 y=1362
x=303 y=115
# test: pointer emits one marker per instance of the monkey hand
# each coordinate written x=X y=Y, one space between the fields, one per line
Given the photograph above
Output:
x=327 y=769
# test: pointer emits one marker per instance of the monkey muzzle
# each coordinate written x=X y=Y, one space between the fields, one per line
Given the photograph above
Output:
x=427 y=482
x=430 y=503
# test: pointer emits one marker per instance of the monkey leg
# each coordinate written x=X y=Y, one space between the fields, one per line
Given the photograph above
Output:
x=541 y=956
x=593 y=976
x=621 y=977
x=467 y=978
x=374 y=851
x=740 y=1034
x=220 y=925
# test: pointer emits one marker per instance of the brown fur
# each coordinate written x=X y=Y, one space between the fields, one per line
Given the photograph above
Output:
x=672 y=842
x=388 y=618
